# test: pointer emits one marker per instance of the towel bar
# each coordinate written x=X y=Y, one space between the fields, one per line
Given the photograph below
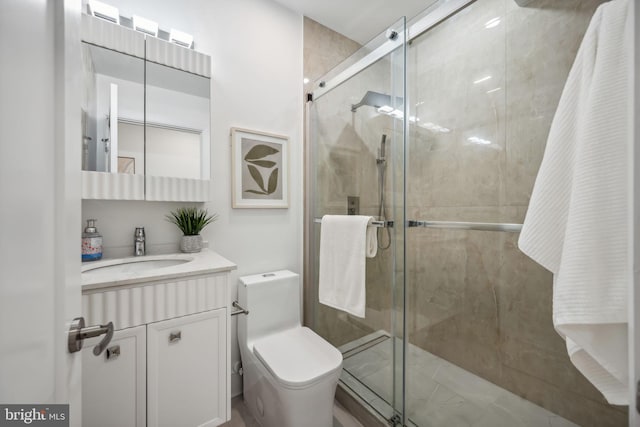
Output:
x=479 y=226
x=450 y=225
x=379 y=224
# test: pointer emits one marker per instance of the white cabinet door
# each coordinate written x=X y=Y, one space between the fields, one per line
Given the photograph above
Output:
x=186 y=370
x=114 y=383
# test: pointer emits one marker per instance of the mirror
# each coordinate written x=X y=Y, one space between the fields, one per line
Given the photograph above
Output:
x=177 y=123
x=112 y=105
x=146 y=126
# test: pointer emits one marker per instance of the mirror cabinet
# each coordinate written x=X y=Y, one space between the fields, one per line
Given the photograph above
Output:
x=145 y=116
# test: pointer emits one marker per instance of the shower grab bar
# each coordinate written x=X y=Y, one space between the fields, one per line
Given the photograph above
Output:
x=378 y=224
x=479 y=226
x=450 y=225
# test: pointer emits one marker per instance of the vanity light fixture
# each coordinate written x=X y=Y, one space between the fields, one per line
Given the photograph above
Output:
x=104 y=11
x=180 y=38
x=145 y=25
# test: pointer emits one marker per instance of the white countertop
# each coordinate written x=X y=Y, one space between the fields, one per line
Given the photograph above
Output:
x=205 y=262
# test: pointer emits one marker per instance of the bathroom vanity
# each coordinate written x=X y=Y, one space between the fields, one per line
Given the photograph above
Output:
x=167 y=364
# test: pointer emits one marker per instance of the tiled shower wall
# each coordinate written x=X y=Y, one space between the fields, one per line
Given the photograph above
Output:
x=346 y=145
x=474 y=298
x=492 y=75
x=346 y=161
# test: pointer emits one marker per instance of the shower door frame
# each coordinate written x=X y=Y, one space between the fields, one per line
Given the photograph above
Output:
x=392 y=45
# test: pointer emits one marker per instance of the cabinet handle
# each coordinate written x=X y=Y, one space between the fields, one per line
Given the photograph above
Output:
x=175 y=337
x=113 y=352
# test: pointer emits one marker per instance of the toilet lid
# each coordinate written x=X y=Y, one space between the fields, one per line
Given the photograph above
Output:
x=297 y=357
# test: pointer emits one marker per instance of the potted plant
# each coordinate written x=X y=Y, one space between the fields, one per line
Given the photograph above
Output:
x=191 y=221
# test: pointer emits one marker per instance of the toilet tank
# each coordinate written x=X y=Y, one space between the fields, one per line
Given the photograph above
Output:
x=273 y=302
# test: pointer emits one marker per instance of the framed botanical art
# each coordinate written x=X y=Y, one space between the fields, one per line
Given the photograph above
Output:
x=259 y=169
x=126 y=165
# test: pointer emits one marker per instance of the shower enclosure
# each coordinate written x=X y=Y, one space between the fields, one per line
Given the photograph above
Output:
x=437 y=128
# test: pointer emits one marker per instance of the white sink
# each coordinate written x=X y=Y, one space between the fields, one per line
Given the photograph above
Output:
x=134 y=265
x=117 y=272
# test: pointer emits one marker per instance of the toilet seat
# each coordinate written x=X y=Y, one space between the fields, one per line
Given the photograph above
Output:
x=297 y=358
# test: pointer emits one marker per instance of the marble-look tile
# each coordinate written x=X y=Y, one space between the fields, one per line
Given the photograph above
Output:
x=381 y=382
x=453 y=83
x=446 y=408
x=555 y=421
x=523 y=410
x=535 y=77
x=337 y=326
x=368 y=362
x=566 y=403
x=471 y=387
x=323 y=49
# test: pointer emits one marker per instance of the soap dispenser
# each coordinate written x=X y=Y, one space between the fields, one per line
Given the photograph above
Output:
x=91 y=242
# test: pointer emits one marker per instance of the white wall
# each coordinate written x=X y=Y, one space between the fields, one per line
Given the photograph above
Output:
x=256 y=50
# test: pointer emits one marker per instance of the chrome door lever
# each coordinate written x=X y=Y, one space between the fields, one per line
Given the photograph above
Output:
x=78 y=332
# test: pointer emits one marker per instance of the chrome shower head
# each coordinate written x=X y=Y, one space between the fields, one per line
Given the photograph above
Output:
x=373 y=99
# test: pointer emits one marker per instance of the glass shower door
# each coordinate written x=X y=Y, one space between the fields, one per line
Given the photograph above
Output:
x=356 y=128
x=482 y=350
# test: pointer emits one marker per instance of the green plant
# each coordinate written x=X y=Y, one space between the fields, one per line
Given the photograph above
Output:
x=191 y=220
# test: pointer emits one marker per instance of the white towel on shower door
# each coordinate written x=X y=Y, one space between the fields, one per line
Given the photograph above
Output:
x=345 y=241
x=577 y=222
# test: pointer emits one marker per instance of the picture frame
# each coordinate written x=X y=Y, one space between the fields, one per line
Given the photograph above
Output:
x=126 y=165
x=259 y=169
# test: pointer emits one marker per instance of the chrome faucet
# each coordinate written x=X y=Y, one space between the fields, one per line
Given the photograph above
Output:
x=139 y=242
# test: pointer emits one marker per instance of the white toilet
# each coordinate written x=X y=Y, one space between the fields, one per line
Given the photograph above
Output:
x=290 y=373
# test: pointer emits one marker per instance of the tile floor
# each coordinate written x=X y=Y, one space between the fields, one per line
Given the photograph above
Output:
x=440 y=393
x=241 y=417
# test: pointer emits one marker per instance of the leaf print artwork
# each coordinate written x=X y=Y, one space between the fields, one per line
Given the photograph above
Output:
x=257 y=177
x=260 y=152
x=273 y=181
x=262 y=165
x=261 y=160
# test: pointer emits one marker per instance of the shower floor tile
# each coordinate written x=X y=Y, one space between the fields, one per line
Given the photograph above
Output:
x=439 y=393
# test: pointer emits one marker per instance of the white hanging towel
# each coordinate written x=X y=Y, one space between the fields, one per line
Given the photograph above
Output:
x=345 y=241
x=577 y=222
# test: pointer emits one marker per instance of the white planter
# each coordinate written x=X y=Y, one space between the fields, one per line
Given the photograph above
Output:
x=191 y=244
